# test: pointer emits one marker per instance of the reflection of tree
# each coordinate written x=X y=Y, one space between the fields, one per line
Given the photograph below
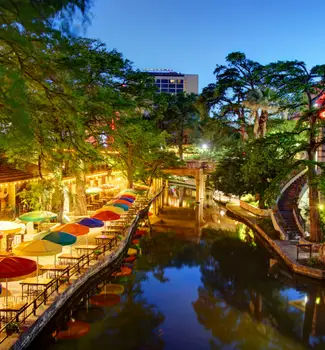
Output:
x=235 y=279
x=232 y=328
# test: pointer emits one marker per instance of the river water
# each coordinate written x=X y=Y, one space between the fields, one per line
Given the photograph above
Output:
x=221 y=291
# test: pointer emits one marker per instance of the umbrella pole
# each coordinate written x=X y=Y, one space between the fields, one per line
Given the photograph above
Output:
x=6 y=292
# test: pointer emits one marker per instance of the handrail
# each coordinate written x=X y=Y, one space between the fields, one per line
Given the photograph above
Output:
x=72 y=270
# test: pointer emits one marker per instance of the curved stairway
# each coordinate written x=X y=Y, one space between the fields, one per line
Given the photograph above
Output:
x=287 y=202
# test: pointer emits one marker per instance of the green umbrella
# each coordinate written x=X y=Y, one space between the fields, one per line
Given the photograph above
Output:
x=37 y=216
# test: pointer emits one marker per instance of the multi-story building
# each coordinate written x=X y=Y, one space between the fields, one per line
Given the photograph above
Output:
x=171 y=82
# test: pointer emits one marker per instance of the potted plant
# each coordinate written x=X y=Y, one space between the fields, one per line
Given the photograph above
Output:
x=12 y=327
x=97 y=253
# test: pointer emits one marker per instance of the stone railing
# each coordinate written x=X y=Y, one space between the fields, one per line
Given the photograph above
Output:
x=255 y=210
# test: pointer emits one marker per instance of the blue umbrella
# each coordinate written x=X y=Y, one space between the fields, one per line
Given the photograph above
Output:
x=61 y=238
x=127 y=199
x=123 y=206
x=91 y=222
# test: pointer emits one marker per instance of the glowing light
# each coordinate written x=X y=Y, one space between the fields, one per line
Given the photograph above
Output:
x=204 y=146
x=318 y=300
x=222 y=212
x=321 y=206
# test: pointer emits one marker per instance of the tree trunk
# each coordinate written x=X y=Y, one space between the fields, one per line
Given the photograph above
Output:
x=256 y=124
x=262 y=123
x=80 y=199
x=314 y=219
x=130 y=168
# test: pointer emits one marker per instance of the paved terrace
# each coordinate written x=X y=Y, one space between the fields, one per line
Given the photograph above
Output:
x=15 y=289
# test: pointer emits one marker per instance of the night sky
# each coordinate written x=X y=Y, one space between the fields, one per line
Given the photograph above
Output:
x=192 y=36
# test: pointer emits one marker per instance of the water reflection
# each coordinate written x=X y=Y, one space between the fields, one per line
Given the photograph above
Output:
x=226 y=292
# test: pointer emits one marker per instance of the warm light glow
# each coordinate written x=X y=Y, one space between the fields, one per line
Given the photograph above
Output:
x=204 y=146
x=222 y=212
x=322 y=114
x=321 y=206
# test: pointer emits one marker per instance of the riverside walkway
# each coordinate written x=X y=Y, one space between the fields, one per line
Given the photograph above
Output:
x=285 y=249
x=39 y=311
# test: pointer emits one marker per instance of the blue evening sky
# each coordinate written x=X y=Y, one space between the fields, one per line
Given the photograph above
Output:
x=192 y=36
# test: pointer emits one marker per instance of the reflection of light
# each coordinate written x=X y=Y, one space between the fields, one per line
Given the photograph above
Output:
x=204 y=146
x=321 y=206
x=306 y=298
x=318 y=300
x=222 y=212
x=219 y=221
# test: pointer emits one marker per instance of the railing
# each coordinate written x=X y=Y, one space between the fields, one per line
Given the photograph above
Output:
x=41 y=298
x=32 y=307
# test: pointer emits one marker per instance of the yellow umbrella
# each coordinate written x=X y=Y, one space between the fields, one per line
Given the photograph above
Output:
x=37 y=248
x=111 y=208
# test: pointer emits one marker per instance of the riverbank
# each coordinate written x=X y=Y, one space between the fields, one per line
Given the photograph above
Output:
x=285 y=249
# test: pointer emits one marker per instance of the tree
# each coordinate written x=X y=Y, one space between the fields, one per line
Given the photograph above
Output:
x=302 y=89
x=137 y=148
x=180 y=118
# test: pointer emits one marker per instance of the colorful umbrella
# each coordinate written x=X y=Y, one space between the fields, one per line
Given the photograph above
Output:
x=12 y=267
x=122 y=206
x=105 y=299
x=91 y=222
x=37 y=216
x=74 y=229
x=76 y=329
x=124 y=271
x=121 y=201
x=129 y=195
x=111 y=208
x=61 y=238
x=106 y=215
x=37 y=248
x=128 y=199
x=9 y=227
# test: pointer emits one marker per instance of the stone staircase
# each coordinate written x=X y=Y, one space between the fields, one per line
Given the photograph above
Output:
x=287 y=202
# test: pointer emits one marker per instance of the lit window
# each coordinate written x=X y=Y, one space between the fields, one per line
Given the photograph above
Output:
x=172 y=80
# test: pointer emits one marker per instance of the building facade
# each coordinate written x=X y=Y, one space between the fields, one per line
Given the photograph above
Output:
x=171 y=82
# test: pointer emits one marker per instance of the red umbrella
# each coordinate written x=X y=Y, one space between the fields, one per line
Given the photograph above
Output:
x=106 y=216
x=105 y=299
x=73 y=228
x=13 y=267
x=124 y=271
x=129 y=196
x=76 y=329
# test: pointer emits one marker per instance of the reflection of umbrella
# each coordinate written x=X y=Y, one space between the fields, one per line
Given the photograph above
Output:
x=91 y=222
x=132 y=251
x=93 y=190
x=37 y=216
x=113 y=288
x=105 y=299
x=73 y=228
x=12 y=267
x=61 y=238
x=92 y=314
x=37 y=248
x=76 y=329
x=124 y=271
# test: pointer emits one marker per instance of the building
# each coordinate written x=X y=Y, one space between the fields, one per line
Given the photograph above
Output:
x=171 y=82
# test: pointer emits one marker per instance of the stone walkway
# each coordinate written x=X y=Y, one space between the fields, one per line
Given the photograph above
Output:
x=285 y=249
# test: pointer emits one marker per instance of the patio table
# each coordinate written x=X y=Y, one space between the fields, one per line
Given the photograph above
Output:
x=56 y=269
x=8 y=311
x=35 y=284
